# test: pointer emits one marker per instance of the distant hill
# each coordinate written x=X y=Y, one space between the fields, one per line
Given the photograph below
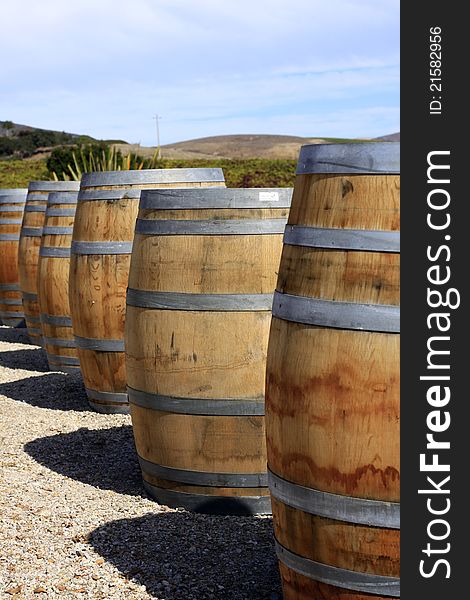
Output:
x=393 y=137
x=239 y=146
x=235 y=147
x=23 y=141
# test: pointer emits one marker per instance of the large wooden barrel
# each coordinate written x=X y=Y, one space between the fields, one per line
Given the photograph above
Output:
x=332 y=387
x=203 y=272
x=30 y=241
x=12 y=202
x=99 y=268
x=53 y=282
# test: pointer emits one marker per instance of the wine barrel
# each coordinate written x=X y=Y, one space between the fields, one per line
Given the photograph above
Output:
x=101 y=247
x=30 y=241
x=332 y=384
x=12 y=202
x=203 y=271
x=53 y=282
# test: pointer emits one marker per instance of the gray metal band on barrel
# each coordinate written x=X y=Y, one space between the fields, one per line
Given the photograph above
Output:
x=54 y=186
x=102 y=247
x=11 y=221
x=62 y=198
x=378 y=158
x=13 y=192
x=70 y=361
x=61 y=368
x=374 y=513
x=343 y=239
x=37 y=197
x=152 y=176
x=8 y=314
x=199 y=302
x=57 y=231
x=9 y=237
x=51 y=252
x=12 y=209
x=213 y=227
x=380 y=585
x=383 y=318
x=203 y=478
x=117 y=397
x=109 y=195
x=31 y=231
x=60 y=212
x=217 y=198
x=232 y=407
x=9 y=287
x=29 y=297
x=60 y=342
x=11 y=301
x=33 y=330
x=99 y=345
x=33 y=319
x=41 y=208
x=56 y=320
x=255 y=505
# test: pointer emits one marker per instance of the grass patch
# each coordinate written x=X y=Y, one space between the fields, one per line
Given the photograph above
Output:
x=239 y=173
x=18 y=173
x=244 y=173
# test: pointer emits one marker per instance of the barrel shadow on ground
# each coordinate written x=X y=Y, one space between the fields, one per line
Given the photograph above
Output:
x=55 y=391
x=29 y=359
x=182 y=556
x=103 y=458
x=14 y=335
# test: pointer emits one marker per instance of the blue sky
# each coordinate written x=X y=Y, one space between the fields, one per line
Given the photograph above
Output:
x=208 y=67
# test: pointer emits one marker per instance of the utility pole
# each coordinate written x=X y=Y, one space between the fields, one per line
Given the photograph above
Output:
x=157 y=118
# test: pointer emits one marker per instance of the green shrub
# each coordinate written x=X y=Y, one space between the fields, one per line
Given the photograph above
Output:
x=238 y=173
x=71 y=162
x=244 y=173
x=18 y=173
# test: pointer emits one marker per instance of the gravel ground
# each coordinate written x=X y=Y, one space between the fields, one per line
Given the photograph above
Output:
x=74 y=520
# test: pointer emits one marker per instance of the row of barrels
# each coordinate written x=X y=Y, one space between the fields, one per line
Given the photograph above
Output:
x=159 y=285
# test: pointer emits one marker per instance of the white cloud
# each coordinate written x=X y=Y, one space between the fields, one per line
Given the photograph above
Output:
x=105 y=66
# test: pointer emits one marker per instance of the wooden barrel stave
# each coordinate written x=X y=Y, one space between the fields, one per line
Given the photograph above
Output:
x=333 y=390
x=30 y=243
x=12 y=202
x=53 y=282
x=107 y=210
x=200 y=288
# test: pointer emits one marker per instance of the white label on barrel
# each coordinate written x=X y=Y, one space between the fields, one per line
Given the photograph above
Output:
x=269 y=196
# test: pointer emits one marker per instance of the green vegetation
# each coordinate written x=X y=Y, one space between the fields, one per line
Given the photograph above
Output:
x=244 y=173
x=72 y=161
x=333 y=140
x=26 y=142
x=18 y=173
x=238 y=173
x=19 y=141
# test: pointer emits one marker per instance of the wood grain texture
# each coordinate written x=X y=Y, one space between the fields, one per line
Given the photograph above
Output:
x=200 y=442
x=98 y=283
x=346 y=545
x=28 y=260
x=332 y=395
x=197 y=354
x=53 y=287
x=200 y=489
x=299 y=587
x=12 y=210
x=201 y=354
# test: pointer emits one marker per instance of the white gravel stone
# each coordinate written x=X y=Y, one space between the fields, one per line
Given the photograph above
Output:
x=74 y=519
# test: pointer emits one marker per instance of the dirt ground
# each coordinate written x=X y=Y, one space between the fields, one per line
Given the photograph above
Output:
x=74 y=519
